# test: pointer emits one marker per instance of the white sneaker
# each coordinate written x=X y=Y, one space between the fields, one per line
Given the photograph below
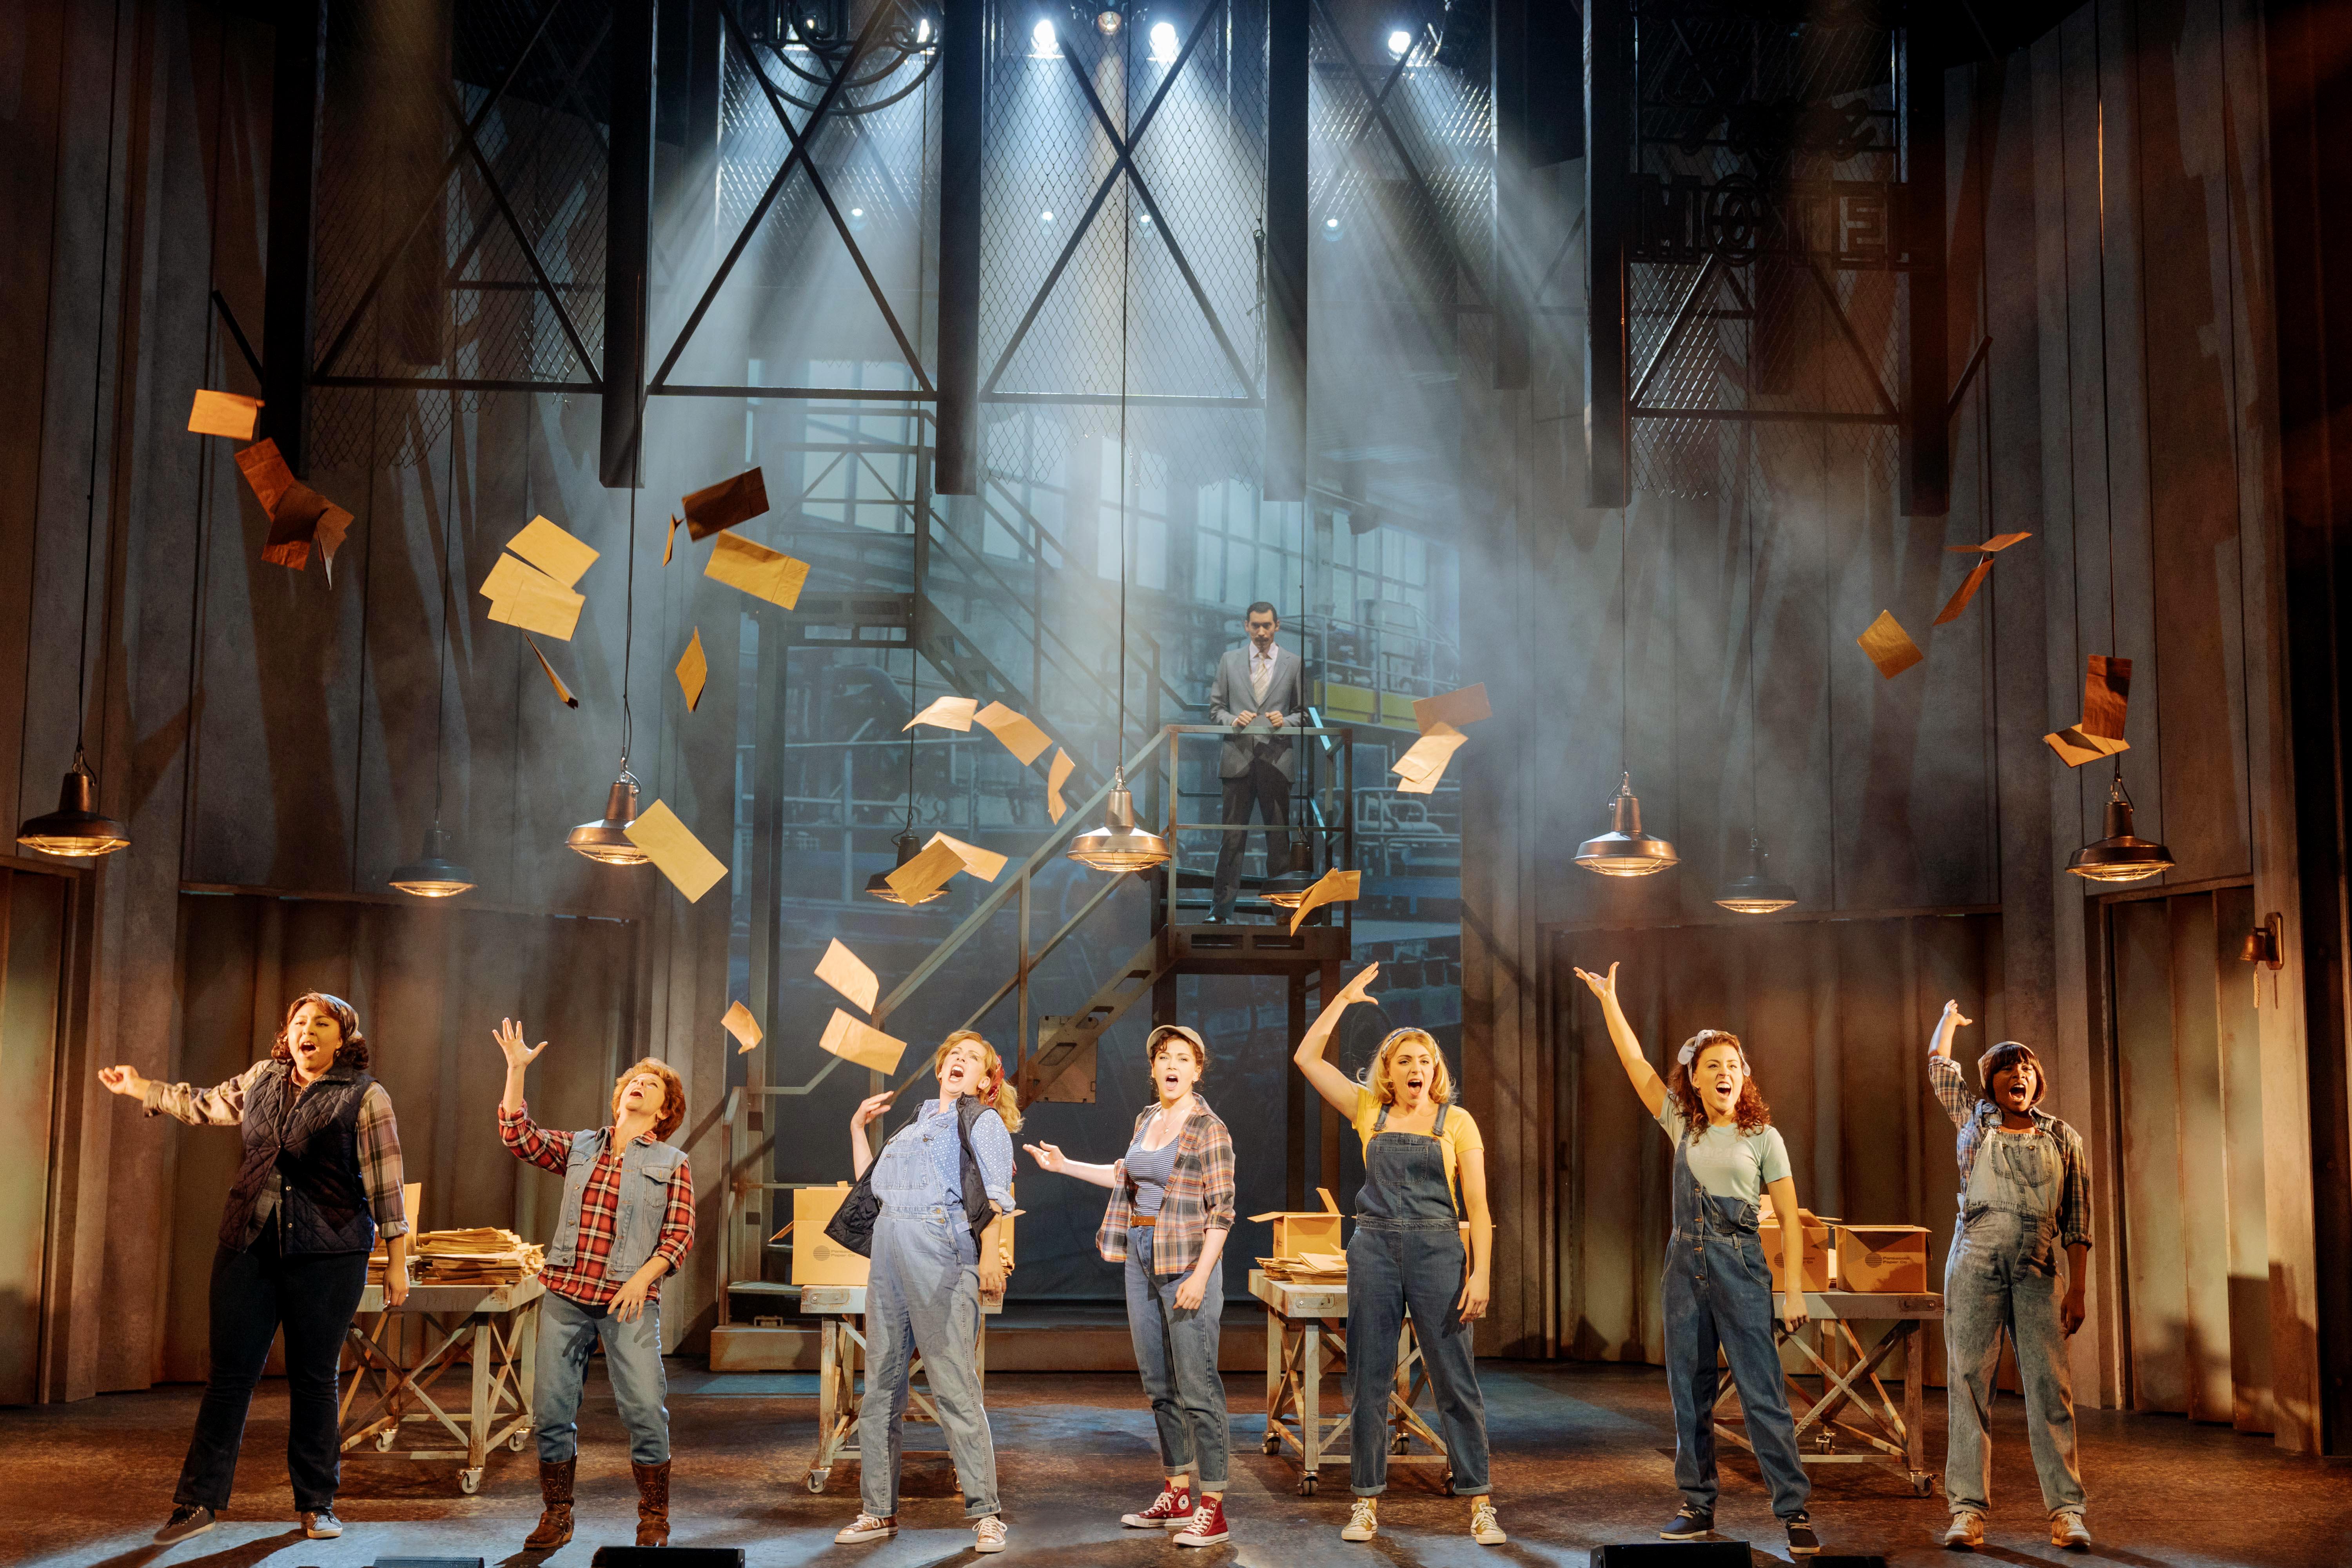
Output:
x=988 y=1535
x=1966 y=1533
x=2067 y=1529
x=1483 y=1528
x=865 y=1528
x=1363 y=1520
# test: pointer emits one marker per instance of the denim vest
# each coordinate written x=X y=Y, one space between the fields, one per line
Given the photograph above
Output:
x=645 y=1170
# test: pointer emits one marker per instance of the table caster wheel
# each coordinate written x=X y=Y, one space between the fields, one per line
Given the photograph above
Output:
x=470 y=1482
x=1922 y=1483
x=816 y=1479
x=383 y=1441
x=1273 y=1443
x=1307 y=1486
x=1449 y=1483
x=520 y=1441
x=1397 y=1444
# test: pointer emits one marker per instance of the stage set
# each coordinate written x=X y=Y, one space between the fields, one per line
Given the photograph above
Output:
x=1422 y=781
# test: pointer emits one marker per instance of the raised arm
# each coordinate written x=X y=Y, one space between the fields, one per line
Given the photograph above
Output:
x=1643 y=1076
x=868 y=1109
x=1049 y=1157
x=526 y=1138
x=1329 y=1082
x=1944 y=1074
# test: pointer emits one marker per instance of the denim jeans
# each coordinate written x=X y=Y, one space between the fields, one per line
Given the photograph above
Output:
x=568 y=1331
x=923 y=1297
x=2002 y=1275
x=313 y=1295
x=1417 y=1264
x=1176 y=1352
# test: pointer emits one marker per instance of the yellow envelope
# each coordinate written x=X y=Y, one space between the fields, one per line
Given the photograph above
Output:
x=1060 y=775
x=524 y=597
x=2076 y=745
x=846 y=972
x=1467 y=706
x=762 y=573
x=224 y=414
x=739 y=1022
x=927 y=873
x=561 y=691
x=1890 y=648
x=693 y=668
x=862 y=1044
x=552 y=551
x=1331 y=888
x=1020 y=737
x=675 y=851
x=947 y=712
x=983 y=864
x=1426 y=760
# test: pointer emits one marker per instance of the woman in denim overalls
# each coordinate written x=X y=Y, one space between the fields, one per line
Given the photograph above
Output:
x=930 y=1270
x=2024 y=1193
x=1718 y=1288
x=1408 y=1252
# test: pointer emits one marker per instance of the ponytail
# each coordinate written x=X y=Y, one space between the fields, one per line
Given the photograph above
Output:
x=999 y=1095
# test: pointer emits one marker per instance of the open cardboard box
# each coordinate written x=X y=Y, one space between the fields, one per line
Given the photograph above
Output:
x=1819 y=1256
x=1298 y=1232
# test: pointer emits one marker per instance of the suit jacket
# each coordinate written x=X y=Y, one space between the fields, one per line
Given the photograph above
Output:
x=1285 y=693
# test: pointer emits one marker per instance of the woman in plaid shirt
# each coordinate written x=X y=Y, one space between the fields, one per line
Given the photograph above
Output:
x=1171 y=1204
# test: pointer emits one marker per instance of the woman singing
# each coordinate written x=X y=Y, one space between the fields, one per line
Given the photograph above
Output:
x=319 y=1180
x=944 y=1181
x=1407 y=1252
x=1171 y=1204
x=1719 y=1289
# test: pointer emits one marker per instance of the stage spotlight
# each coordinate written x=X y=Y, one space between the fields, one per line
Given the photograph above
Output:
x=1043 y=40
x=1143 y=222
x=1331 y=230
x=1164 y=42
x=1400 y=44
x=1045 y=217
x=857 y=220
x=923 y=30
x=1107 y=21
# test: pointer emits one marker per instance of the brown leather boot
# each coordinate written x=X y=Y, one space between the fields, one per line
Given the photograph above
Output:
x=555 y=1519
x=653 y=1503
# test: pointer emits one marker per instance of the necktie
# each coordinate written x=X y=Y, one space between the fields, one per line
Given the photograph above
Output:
x=1261 y=673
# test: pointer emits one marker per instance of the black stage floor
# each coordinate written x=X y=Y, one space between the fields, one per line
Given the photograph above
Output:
x=1583 y=1456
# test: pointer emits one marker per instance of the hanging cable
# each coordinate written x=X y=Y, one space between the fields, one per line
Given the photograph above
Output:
x=97 y=405
x=628 y=628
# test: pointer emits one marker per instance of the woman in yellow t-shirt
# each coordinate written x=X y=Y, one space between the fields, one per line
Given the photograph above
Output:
x=1407 y=1252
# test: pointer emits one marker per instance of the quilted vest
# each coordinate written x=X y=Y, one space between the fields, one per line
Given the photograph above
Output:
x=312 y=1140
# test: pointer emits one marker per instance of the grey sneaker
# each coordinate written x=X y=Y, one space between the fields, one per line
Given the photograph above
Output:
x=322 y=1525
x=2067 y=1529
x=186 y=1519
x=1688 y=1526
x=1802 y=1541
x=865 y=1528
x=1966 y=1533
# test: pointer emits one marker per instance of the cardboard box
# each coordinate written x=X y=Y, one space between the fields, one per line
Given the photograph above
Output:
x=817 y=1258
x=1883 y=1259
x=1819 y=1256
x=1299 y=1232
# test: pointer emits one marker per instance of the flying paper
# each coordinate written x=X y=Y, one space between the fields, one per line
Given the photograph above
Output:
x=1967 y=590
x=267 y=472
x=947 y=712
x=669 y=545
x=525 y=596
x=1062 y=767
x=1467 y=706
x=927 y=873
x=552 y=551
x=739 y=1022
x=1426 y=762
x=301 y=517
x=553 y=679
x=762 y=573
x=1331 y=888
x=2074 y=747
x=1890 y=648
x=846 y=972
x=2106 y=694
x=867 y=1047
x=1020 y=737
x=983 y=864
x=1993 y=546
x=721 y=506
x=224 y=414
x=693 y=668
x=675 y=851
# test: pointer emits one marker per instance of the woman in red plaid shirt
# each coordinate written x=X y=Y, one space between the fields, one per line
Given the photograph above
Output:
x=626 y=1219
x=1171 y=1204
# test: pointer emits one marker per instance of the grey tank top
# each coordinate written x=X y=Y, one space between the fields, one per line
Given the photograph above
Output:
x=1151 y=1170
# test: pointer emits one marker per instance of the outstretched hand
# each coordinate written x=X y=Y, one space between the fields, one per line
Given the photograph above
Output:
x=1359 y=988
x=871 y=1108
x=508 y=1034
x=124 y=1080
x=1049 y=1156
x=1606 y=989
x=1940 y=1042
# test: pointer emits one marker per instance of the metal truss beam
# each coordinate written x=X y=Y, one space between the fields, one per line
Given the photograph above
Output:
x=1287 y=225
x=1608 y=345
x=964 y=64
x=298 y=84
x=628 y=245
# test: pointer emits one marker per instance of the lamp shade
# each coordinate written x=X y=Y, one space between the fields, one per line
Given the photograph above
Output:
x=433 y=875
x=75 y=829
x=1757 y=893
x=879 y=886
x=1119 y=845
x=1626 y=850
x=2122 y=856
x=607 y=841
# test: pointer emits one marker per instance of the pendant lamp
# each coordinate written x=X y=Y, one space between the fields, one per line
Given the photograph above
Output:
x=433 y=875
x=76 y=829
x=1119 y=845
x=607 y=840
x=2122 y=856
x=879 y=886
x=1757 y=893
x=1626 y=850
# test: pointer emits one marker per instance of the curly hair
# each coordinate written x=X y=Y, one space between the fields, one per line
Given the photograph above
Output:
x=1748 y=1112
x=673 y=1110
x=352 y=1053
x=1168 y=1035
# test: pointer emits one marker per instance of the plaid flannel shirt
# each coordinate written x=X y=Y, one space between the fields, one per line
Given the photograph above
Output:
x=585 y=1279
x=1973 y=1114
x=1200 y=1195
x=223 y=1105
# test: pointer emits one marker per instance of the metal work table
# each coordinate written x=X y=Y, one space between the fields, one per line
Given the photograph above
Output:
x=392 y=1381
x=1303 y=1322
x=1851 y=1382
x=839 y=1343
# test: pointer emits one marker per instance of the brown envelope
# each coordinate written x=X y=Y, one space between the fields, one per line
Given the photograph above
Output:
x=983 y=864
x=1467 y=706
x=267 y=472
x=2074 y=747
x=1020 y=737
x=1062 y=767
x=846 y=972
x=553 y=679
x=693 y=668
x=1424 y=762
x=2106 y=693
x=927 y=873
x=762 y=573
x=1967 y=591
x=525 y=596
x=669 y=545
x=552 y=551
x=224 y=414
x=721 y=506
x=1890 y=648
x=1331 y=888
x=675 y=851
x=947 y=712
x=862 y=1044
x=1993 y=546
x=739 y=1022
x=301 y=516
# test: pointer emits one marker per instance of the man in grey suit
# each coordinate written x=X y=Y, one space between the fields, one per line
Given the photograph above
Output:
x=1260 y=690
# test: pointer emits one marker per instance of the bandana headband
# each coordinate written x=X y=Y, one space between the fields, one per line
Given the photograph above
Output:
x=1689 y=1053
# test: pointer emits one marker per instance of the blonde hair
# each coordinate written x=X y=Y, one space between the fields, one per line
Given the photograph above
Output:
x=1376 y=1076
x=1006 y=1101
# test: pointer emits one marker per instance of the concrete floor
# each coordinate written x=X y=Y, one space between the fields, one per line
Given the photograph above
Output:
x=1583 y=1456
